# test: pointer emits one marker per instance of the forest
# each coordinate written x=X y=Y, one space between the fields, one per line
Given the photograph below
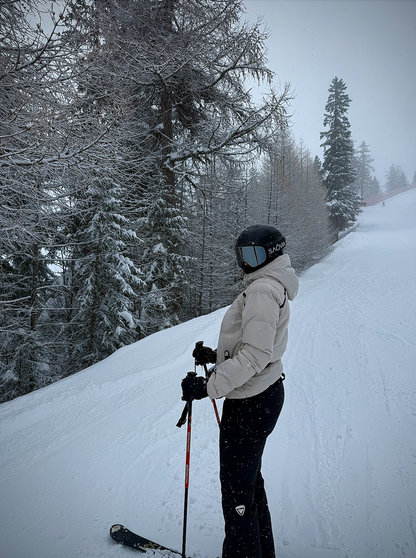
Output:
x=132 y=154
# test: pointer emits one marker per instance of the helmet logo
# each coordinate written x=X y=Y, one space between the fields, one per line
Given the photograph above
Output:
x=279 y=246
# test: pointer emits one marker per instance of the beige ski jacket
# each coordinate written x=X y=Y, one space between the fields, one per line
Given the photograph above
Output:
x=253 y=334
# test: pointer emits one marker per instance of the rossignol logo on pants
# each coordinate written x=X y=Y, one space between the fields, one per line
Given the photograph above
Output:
x=240 y=510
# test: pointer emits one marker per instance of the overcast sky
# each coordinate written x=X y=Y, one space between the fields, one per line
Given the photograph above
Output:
x=371 y=45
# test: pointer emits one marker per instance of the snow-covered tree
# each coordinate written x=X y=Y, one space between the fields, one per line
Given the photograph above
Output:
x=396 y=178
x=164 y=231
x=221 y=210
x=300 y=207
x=363 y=169
x=291 y=197
x=339 y=173
x=106 y=284
x=178 y=69
x=374 y=188
x=123 y=130
x=40 y=136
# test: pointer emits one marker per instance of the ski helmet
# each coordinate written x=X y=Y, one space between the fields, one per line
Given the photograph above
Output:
x=257 y=246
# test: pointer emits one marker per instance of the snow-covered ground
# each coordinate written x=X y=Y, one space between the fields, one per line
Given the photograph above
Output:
x=102 y=446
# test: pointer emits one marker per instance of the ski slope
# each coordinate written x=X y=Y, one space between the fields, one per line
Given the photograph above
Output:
x=102 y=446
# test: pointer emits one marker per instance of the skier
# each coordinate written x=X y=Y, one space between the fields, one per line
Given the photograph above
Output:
x=249 y=374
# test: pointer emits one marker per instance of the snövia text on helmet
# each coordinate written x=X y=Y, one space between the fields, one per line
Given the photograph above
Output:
x=274 y=249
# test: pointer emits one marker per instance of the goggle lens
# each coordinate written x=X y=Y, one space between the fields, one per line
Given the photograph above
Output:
x=251 y=255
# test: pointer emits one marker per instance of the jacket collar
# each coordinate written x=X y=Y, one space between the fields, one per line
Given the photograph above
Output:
x=279 y=270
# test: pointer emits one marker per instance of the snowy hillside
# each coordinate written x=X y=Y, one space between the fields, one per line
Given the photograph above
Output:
x=102 y=447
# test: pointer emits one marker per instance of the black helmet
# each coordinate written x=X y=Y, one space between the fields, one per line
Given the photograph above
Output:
x=257 y=246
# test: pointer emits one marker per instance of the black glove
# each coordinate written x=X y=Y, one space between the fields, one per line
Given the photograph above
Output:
x=194 y=387
x=204 y=355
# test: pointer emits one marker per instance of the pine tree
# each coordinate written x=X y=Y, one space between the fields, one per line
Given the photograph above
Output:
x=105 y=282
x=339 y=173
x=317 y=166
x=164 y=232
x=396 y=178
x=374 y=188
x=363 y=168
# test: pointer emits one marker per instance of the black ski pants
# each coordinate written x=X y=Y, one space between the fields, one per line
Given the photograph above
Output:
x=245 y=426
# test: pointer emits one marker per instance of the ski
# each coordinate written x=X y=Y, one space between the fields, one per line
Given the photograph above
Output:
x=124 y=536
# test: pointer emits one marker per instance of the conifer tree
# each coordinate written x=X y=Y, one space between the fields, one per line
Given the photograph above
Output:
x=362 y=161
x=339 y=173
x=106 y=283
x=164 y=230
x=396 y=178
x=375 y=188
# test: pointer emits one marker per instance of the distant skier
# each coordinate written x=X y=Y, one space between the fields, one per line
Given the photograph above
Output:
x=383 y=204
x=249 y=374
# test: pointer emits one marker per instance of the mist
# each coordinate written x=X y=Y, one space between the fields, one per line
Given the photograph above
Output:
x=371 y=45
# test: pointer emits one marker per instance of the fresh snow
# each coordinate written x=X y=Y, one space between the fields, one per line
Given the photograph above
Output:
x=102 y=446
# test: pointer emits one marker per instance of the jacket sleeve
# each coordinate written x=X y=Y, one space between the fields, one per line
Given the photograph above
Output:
x=259 y=321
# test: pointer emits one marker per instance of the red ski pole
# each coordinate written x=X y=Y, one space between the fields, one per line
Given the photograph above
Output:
x=186 y=412
x=187 y=467
x=214 y=403
x=199 y=344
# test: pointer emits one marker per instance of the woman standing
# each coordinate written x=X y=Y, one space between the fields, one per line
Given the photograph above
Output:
x=249 y=374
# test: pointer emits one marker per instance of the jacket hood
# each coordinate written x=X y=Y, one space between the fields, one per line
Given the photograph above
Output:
x=280 y=270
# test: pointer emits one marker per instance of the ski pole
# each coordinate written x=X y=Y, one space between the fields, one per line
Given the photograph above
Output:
x=188 y=408
x=214 y=403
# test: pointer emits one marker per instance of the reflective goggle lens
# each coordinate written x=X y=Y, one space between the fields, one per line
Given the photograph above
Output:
x=252 y=255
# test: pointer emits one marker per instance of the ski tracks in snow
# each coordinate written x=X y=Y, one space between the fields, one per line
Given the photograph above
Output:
x=350 y=407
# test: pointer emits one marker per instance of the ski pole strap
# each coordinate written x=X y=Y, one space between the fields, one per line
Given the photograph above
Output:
x=184 y=416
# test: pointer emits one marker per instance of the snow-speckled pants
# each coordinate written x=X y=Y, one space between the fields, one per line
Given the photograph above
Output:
x=245 y=426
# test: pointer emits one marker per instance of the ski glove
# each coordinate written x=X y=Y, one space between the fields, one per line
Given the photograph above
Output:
x=204 y=355
x=194 y=387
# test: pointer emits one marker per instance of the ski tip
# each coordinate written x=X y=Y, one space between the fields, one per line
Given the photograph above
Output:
x=116 y=527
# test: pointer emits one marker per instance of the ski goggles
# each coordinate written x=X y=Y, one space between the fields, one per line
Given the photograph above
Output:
x=251 y=255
